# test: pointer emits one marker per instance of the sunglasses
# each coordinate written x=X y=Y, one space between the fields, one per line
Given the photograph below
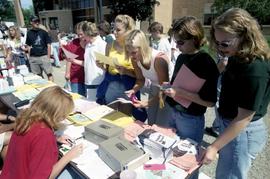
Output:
x=179 y=42
x=224 y=44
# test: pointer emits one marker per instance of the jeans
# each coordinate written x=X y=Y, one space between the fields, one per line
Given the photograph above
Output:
x=187 y=126
x=78 y=88
x=235 y=158
x=55 y=50
x=115 y=90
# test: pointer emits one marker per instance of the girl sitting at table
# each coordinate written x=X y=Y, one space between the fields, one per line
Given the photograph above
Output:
x=32 y=151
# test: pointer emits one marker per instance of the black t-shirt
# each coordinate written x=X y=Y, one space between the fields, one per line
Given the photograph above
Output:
x=38 y=39
x=245 y=85
x=203 y=66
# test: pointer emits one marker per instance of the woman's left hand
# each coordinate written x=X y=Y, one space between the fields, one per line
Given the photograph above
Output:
x=210 y=155
x=170 y=92
x=63 y=139
x=139 y=104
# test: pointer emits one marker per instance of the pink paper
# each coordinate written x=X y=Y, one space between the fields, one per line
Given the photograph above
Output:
x=189 y=81
x=154 y=167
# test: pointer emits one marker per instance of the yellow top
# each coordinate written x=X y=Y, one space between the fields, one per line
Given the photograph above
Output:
x=121 y=60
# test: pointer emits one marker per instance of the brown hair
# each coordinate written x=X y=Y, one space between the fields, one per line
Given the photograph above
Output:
x=155 y=27
x=50 y=106
x=17 y=32
x=105 y=27
x=240 y=23
x=189 y=27
x=90 y=29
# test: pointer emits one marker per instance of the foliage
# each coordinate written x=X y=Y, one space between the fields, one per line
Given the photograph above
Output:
x=26 y=14
x=259 y=9
x=137 y=9
x=7 y=12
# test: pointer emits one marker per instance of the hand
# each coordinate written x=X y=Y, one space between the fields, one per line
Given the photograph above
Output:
x=120 y=69
x=67 y=76
x=63 y=139
x=70 y=60
x=139 y=104
x=209 y=155
x=74 y=152
x=11 y=118
x=129 y=93
x=170 y=92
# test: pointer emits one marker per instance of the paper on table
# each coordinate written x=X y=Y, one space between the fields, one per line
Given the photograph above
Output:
x=189 y=81
x=69 y=54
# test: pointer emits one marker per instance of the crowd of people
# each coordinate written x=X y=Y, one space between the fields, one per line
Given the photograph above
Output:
x=183 y=80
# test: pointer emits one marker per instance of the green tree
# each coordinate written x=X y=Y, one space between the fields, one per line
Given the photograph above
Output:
x=7 y=12
x=259 y=9
x=137 y=9
x=27 y=13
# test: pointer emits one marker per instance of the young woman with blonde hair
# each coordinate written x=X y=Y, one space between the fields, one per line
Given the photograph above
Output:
x=13 y=47
x=151 y=64
x=121 y=78
x=32 y=151
x=245 y=93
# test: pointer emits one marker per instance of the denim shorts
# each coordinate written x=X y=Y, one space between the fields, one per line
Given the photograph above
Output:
x=236 y=157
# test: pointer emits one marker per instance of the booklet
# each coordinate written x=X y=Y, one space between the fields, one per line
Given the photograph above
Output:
x=189 y=81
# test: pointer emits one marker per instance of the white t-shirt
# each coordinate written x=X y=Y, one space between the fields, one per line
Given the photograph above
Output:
x=93 y=74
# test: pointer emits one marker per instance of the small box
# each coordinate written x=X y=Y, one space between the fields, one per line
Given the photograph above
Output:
x=120 y=154
x=100 y=131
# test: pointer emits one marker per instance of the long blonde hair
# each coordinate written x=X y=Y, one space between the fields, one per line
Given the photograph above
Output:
x=126 y=20
x=240 y=23
x=17 y=33
x=137 y=39
x=51 y=106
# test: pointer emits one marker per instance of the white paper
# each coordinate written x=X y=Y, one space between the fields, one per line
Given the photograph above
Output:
x=69 y=54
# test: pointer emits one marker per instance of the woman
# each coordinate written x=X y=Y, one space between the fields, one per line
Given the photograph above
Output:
x=187 y=106
x=13 y=47
x=245 y=93
x=151 y=64
x=121 y=78
x=74 y=67
x=32 y=151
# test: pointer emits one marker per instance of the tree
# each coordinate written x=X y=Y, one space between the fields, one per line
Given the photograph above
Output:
x=137 y=9
x=7 y=12
x=260 y=9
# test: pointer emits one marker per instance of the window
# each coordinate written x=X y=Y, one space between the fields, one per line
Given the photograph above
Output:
x=53 y=23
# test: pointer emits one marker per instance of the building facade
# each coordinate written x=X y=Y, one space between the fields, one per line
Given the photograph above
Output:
x=64 y=14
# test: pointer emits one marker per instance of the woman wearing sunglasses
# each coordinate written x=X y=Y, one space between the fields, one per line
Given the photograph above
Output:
x=188 y=120
x=245 y=93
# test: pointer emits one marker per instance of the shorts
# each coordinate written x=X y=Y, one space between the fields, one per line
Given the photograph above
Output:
x=40 y=64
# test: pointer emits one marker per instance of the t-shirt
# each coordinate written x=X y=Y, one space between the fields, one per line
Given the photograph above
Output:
x=76 y=71
x=121 y=59
x=31 y=155
x=93 y=74
x=245 y=85
x=38 y=39
x=203 y=66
